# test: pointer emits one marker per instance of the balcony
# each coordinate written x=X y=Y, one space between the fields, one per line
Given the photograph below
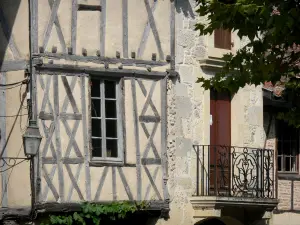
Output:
x=234 y=177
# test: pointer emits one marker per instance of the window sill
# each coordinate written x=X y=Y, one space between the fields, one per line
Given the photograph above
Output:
x=102 y=163
x=288 y=176
x=218 y=52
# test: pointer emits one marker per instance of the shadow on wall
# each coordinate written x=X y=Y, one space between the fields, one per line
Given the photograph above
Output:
x=8 y=13
x=185 y=7
x=219 y=221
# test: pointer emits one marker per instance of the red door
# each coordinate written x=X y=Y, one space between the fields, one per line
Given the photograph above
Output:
x=220 y=143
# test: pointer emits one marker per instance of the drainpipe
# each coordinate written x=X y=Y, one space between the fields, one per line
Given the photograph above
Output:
x=32 y=114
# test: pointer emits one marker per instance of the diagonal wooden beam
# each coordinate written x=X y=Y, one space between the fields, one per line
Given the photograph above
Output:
x=145 y=93
x=52 y=18
x=101 y=183
x=146 y=33
x=152 y=183
x=9 y=36
x=50 y=185
x=148 y=100
x=74 y=181
x=72 y=141
x=58 y=29
x=150 y=140
x=48 y=134
x=69 y=97
x=125 y=184
x=149 y=186
x=154 y=29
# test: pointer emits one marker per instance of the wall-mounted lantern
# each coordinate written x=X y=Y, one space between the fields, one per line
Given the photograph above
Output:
x=32 y=139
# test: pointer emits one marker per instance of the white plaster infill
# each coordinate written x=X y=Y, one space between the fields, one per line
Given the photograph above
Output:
x=218 y=202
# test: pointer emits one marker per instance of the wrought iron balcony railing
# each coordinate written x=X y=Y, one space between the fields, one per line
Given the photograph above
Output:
x=234 y=171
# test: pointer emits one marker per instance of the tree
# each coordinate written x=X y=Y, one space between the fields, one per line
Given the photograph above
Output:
x=273 y=30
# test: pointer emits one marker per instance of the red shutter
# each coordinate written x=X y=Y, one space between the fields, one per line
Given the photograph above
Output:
x=222 y=39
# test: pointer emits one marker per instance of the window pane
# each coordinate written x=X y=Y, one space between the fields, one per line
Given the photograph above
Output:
x=111 y=128
x=96 y=108
x=279 y=148
x=110 y=109
x=287 y=164
x=112 y=148
x=96 y=128
x=294 y=166
x=97 y=147
x=110 y=89
x=279 y=163
x=95 y=86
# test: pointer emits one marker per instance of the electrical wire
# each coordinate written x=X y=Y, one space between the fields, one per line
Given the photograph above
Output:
x=13 y=115
x=13 y=84
x=7 y=88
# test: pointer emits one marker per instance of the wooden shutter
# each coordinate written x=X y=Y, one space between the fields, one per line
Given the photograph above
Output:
x=222 y=39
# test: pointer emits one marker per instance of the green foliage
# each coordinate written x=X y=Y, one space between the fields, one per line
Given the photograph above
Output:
x=95 y=213
x=272 y=28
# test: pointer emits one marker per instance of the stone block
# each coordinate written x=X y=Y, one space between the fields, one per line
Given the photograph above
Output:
x=199 y=52
x=185 y=38
x=179 y=55
x=184 y=107
x=181 y=90
x=185 y=182
x=186 y=74
x=183 y=145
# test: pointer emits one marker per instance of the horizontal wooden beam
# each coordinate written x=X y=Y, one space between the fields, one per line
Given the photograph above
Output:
x=149 y=119
x=84 y=7
x=58 y=69
x=102 y=60
x=13 y=65
x=72 y=207
x=161 y=207
x=150 y=161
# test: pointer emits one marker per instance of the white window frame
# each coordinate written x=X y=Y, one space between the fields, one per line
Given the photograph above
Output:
x=119 y=103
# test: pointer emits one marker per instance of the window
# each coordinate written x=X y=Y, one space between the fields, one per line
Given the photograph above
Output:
x=222 y=39
x=106 y=122
x=288 y=147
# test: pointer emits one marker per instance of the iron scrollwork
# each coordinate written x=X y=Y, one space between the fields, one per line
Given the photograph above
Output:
x=236 y=171
x=7 y=163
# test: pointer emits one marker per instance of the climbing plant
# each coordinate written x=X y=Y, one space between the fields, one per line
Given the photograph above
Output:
x=95 y=213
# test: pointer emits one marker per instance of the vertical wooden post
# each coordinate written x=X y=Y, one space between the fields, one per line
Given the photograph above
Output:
x=4 y=180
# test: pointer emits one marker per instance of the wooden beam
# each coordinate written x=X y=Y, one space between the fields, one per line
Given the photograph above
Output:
x=172 y=34
x=84 y=7
x=13 y=65
x=9 y=35
x=85 y=139
x=164 y=137
x=125 y=27
x=4 y=177
x=58 y=139
x=137 y=140
x=154 y=29
x=74 y=26
x=102 y=59
x=57 y=69
x=102 y=27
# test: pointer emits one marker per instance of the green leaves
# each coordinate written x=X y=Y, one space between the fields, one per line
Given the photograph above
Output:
x=94 y=213
x=272 y=28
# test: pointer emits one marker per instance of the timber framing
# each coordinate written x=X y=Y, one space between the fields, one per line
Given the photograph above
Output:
x=58 y=69
x=101 y=59
x=13 y=65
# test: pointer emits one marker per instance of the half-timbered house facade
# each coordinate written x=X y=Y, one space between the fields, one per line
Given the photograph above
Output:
x=122 y=118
